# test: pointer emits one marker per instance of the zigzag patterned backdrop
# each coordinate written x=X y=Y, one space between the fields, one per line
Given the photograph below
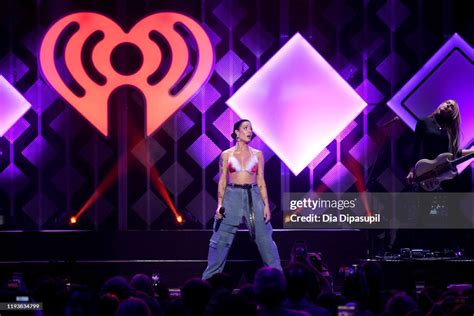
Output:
x=52 y=160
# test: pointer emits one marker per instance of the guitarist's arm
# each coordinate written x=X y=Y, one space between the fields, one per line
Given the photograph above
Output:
x=465 y=152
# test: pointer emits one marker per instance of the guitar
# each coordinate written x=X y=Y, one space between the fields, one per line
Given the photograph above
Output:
x=430 y=173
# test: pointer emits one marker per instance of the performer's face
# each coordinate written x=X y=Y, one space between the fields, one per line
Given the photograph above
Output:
x=245 y=132
x=447 y=108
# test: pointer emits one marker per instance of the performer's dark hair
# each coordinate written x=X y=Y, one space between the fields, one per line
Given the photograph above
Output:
x=236 y=127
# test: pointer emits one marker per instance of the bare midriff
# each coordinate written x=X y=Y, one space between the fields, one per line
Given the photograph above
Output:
x=242 y=177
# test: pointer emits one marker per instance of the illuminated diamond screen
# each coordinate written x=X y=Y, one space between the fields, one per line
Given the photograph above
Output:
x=297 y=103
x=449 y=74
x=12 y=106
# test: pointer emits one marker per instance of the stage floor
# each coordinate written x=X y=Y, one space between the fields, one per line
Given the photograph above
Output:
x=93 y=256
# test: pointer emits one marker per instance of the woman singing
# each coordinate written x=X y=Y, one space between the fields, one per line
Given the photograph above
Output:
x=244 y=196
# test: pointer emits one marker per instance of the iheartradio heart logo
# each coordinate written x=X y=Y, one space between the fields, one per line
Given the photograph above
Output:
x=161 y=103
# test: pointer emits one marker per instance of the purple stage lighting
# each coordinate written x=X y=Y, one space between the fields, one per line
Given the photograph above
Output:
x=297 y=103
x=449 y=74
x=12 y=105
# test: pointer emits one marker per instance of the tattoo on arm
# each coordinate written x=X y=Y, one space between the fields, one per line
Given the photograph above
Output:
x=221 y=163
x=222 y=181
x=220 y=193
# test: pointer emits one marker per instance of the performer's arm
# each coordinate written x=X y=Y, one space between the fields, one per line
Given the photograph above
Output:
x=467 y=152
x=263 y=187
x=222 y=182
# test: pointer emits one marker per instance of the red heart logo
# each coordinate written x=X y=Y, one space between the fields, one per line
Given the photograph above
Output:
x=160 y=103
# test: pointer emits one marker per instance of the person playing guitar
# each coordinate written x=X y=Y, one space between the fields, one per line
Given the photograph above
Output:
x=437 y=137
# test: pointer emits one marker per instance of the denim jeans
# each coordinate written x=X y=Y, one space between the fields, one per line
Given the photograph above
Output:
x=236 y=204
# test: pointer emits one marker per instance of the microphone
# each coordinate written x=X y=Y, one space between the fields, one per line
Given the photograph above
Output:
x=222 y=211
x=217 y=223
x=395 y=119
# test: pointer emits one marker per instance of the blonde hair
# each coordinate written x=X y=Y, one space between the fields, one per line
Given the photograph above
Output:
x=453 y=126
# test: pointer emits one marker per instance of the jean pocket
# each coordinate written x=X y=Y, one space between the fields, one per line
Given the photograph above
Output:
x=259 y=199
x=217 y=224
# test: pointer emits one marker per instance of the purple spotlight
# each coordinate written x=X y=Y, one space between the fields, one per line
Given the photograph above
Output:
x=449 y=74
x=297 y=103
x=12 y=106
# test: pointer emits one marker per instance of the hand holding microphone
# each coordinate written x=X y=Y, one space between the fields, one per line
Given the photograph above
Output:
x=220 y=213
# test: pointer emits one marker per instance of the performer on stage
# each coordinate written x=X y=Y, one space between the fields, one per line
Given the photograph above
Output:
x=437 y=134
x=244 y=196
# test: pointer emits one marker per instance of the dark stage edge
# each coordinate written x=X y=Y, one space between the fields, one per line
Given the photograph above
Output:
x=90 y=257
x=428 y=272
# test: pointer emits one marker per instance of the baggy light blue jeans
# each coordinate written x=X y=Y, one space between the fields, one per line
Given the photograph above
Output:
x=236 y=204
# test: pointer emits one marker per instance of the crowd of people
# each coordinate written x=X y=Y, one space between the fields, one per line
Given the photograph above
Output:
x=300 y=289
